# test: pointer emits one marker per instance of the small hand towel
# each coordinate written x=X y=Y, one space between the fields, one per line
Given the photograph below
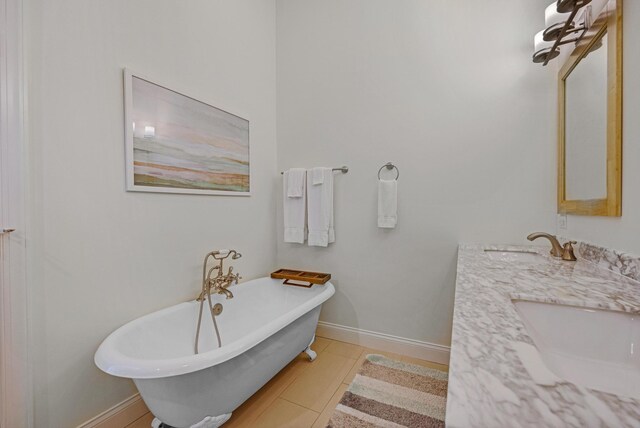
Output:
x=317 y=176
x=320 y=210
x=294 y=212
x=387 y=203
x=296 y=184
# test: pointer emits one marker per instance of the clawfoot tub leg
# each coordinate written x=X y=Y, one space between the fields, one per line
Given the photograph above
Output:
x=310 y=352
x=208 y=422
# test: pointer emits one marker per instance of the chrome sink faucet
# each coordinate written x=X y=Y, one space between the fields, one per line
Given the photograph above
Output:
x=564 y=252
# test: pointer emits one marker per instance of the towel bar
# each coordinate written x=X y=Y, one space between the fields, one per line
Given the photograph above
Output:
x=343 y=169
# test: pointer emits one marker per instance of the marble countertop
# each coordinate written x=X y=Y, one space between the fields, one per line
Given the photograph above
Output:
x=488 y=384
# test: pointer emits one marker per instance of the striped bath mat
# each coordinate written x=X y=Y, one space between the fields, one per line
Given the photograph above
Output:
x=388 y=393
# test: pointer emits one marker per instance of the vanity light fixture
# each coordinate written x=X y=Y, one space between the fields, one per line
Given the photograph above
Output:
x=543 y=48
x=554 y=22
x=562 y=19
x=567 y=6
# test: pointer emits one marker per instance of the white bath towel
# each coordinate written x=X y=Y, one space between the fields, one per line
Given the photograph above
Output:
x=296 y=182
x=294 y=212
x=320 y=210
x=317 y=176
x=387 y=203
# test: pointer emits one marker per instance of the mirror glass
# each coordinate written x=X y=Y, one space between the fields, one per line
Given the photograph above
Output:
x=586 y=126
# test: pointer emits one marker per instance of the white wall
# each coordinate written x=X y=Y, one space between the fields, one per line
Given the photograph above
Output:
x=447 y=91
x=100 y=256
x=621 y=232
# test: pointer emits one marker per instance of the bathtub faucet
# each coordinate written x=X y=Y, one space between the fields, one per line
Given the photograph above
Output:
x=217 y=285
x=221 y=282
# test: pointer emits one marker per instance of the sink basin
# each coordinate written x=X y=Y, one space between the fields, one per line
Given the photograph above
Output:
x=593 y=348
x=515 y=256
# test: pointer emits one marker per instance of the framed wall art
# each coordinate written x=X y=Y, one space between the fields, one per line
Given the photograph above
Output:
x=178 y=144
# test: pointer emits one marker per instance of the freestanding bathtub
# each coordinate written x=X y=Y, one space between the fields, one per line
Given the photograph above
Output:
x=264 y=327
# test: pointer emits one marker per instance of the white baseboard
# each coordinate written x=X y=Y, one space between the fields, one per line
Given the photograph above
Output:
x=120 y=415
x=385 y=342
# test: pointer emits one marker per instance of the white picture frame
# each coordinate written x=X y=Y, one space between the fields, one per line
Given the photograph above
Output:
x=182 y=150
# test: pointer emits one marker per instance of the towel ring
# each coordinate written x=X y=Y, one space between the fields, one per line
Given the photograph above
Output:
x=389 y=166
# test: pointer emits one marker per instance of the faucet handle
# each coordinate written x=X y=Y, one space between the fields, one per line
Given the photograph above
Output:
x=567 y=251
x=236 y=278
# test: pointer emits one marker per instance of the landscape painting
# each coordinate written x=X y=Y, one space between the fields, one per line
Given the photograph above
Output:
x=177 y=144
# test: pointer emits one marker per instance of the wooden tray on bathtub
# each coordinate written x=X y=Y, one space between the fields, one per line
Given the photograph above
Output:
x=301 y=276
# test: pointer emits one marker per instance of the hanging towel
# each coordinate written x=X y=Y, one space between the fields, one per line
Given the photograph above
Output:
x=296 y=182
x=317 y=176
x=294 y=212
x=320 y=210
x=387 y=203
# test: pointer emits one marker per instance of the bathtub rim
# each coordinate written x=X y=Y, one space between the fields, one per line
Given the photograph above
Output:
x=112 y=361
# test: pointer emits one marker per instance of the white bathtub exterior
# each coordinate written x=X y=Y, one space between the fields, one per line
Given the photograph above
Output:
x=263 y=328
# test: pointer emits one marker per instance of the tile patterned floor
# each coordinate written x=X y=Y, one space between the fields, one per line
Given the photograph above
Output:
x=304 y=394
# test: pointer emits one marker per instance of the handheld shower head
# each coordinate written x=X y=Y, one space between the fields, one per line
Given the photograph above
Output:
x=223 y=254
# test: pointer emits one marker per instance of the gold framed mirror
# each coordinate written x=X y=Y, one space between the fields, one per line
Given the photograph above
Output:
x=590 y=120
